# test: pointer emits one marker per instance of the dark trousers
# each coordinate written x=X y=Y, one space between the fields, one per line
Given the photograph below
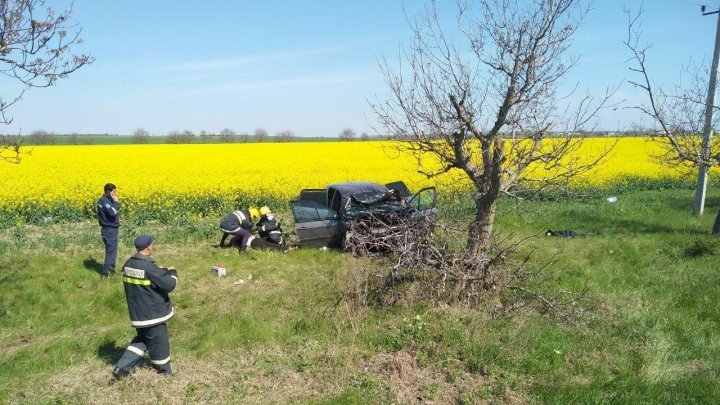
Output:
x=110 y=238
x=156 y=342
x=240 y=238
x=260 y=243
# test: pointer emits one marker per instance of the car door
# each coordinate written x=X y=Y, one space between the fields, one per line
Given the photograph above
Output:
x=424 y=202
x=399 y=186
x=316 y=224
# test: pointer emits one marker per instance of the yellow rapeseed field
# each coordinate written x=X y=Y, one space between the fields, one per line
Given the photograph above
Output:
x=155 y=177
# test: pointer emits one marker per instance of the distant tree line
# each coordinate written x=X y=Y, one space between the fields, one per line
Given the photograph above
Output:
x=43 y=137
x=228 y=135
x=143 y=136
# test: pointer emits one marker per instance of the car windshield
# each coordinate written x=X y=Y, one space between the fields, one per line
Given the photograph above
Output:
x=382 y=209
x=380 y=203
x=367 y=197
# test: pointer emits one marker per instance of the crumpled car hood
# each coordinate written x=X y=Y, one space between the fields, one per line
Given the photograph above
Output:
x=390 y=202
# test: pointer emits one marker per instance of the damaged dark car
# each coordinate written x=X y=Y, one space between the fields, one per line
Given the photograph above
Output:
x=327 y=217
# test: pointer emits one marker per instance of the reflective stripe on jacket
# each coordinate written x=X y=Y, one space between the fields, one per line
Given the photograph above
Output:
x=234 y=221
x=269 y=229
x=146 y=290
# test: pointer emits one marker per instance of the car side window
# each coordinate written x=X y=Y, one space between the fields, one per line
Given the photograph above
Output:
x=424 y=199
x=325 y=213
x=305 y=211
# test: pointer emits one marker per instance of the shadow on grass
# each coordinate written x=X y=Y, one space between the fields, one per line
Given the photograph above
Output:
x=605 y=224
x=91 y=264
x=110 y=352
x=701 y=388
x=685 y=203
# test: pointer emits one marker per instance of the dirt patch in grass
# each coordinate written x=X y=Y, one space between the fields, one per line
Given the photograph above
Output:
x=263 y=376
x=267 y=375
x=408 y=382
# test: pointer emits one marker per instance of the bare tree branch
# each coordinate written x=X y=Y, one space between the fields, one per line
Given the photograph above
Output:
x=679 y=113
x=486 y=104
x=35 y=42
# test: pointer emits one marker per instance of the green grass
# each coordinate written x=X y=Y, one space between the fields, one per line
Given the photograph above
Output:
x=283 y=335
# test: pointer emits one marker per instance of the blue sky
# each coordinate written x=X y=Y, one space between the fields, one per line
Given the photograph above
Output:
x=309 y=67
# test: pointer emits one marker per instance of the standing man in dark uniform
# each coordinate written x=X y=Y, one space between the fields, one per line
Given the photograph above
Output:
x=146 y=290
x=108 y=212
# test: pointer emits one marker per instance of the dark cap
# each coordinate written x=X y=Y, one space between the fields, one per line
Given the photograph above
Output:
x=143 y=241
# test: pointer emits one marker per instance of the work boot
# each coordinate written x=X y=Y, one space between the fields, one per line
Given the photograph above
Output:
x=165 y=370
x=119 y=373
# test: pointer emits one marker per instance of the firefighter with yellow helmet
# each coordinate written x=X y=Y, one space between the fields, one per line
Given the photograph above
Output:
x=239 y=224
x=268 y=227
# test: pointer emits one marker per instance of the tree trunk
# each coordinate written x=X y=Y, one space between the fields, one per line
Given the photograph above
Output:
x=716 y=227
x=480 y=233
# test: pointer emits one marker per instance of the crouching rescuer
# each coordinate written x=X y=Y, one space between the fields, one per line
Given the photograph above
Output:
x=268 y=227
x=146 y=290
x=239 y=224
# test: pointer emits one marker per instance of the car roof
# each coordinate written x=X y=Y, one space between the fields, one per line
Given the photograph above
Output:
x=357 y=187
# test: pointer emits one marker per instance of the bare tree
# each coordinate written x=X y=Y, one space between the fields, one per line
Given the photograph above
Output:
x=176 y=137
x=285 y=136
x=347 y=134
x=485 y=105
x=188 y=136
x=261 y=135
x=173 y=137
x=678 y=114
x=227 y=135
x=140 y=136
x=205 y=137
x=42 y=137
x=364 y=136
x=35 y=42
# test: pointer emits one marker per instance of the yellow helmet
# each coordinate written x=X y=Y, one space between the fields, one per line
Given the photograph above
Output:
x=264 y=210
x=254 y=214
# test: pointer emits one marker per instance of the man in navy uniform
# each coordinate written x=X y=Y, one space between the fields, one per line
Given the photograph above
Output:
x=146 y=290
x=108 y=213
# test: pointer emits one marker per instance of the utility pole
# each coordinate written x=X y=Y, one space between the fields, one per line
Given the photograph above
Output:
x=701 y=187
